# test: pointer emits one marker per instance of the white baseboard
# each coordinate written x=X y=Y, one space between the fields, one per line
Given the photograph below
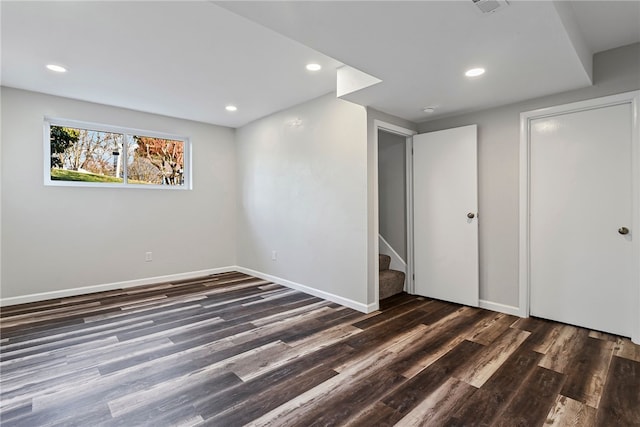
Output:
x=111 y=286
x=364 y=308
x=501 y=308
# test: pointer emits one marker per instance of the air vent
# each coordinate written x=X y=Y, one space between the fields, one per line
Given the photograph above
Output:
x=490 y=6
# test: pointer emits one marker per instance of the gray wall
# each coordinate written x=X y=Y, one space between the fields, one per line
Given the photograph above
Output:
x=56 y=238
x=303 y=193
x=615 y=71
x=392 y=198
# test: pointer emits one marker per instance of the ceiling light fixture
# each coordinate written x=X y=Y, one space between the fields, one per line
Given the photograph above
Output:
x=474 y=72
x=314 y=67
x=56 y=68
x=429 y=110
x=231 y=108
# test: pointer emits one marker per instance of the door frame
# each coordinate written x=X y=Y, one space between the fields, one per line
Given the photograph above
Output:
x=379 y=125
x=632 y=98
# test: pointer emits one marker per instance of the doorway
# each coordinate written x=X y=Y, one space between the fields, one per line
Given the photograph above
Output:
x=398 y=133
x=392 y=198
x=580 y=259
x=446 y=189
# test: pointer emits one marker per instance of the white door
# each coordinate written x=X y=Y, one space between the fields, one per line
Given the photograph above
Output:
x=581 y=260
x=445 y=215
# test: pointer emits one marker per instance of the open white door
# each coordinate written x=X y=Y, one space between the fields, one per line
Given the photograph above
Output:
x=445 y=206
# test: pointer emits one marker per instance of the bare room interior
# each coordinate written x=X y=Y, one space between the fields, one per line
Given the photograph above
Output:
x=320 y=213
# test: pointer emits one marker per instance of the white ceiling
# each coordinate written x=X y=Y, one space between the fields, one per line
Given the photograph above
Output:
x=190 y=59
x=608 y=24
x=420 y=49
x=181 y=59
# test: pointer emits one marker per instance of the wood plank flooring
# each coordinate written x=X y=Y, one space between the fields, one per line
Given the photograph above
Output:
x=231 y=350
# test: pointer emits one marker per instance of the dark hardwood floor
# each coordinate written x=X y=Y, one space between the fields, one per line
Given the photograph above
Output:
x=230 y=350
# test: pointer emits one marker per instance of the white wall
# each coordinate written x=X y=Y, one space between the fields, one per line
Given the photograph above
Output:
x=615 y=71
x=302 y=179
x=392 y=191
x=55 y=238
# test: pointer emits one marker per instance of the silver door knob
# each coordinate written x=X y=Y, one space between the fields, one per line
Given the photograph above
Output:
x=623 y=230
x=471 y=215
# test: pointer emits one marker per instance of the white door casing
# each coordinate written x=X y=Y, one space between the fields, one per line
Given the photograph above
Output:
x=579 y=185
x=408 y=134
x=445 y=192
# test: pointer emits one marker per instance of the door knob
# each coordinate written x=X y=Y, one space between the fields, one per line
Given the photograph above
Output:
x=623 y=230
x=471 y=215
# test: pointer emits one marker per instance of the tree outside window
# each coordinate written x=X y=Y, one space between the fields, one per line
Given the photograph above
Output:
x=97 y=156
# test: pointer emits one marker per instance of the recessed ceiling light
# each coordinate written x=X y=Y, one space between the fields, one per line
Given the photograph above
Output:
x=429 y=110
x=314 y=67
x=56 y=68
x=474 y=72
x=231 y=108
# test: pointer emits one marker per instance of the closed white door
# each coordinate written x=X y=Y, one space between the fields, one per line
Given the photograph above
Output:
x=581 y=254
x=445 y=202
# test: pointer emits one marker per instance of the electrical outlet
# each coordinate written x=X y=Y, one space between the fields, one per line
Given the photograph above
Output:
x=148 y=257
x=274 y=255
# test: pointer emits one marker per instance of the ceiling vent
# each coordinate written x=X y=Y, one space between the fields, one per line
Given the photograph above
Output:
x=490 y=6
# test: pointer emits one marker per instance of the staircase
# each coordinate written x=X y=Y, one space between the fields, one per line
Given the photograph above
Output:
x=391 y=281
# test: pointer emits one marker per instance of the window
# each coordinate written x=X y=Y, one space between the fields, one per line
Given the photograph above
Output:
x=87 y=154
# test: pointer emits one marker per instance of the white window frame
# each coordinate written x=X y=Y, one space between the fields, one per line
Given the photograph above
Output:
x=49 y=121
